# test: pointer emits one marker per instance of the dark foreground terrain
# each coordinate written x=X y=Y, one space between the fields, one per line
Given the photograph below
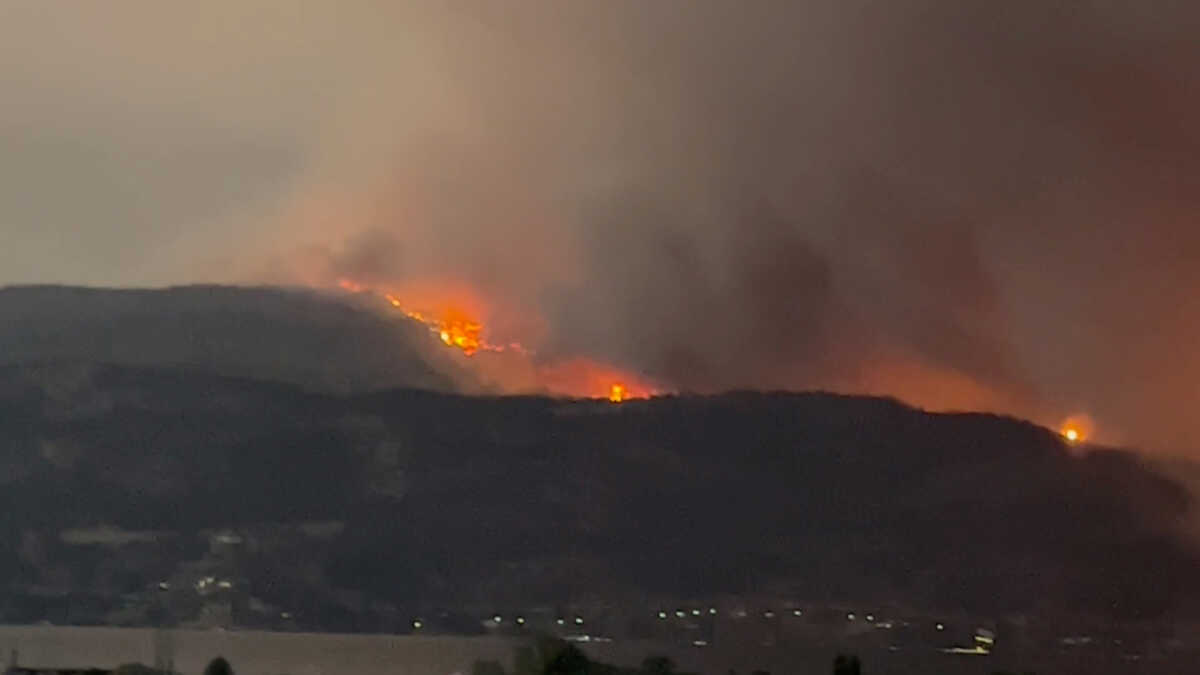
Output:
x=116 y=478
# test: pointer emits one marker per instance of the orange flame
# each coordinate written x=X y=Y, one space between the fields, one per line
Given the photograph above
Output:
x=589 y=379
x=351 y=286
x=454 y=326
x=1076 y=429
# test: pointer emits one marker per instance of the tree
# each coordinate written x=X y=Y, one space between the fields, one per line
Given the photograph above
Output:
x=569 y=661
x=218 y=666
x=846 y=665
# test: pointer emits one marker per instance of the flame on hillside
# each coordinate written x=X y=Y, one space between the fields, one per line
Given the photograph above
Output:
x=587 y=378
x=1077 y=428
x=453 y=315
x=455 y=326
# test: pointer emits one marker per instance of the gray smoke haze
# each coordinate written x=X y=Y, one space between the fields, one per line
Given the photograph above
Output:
x=964 y=204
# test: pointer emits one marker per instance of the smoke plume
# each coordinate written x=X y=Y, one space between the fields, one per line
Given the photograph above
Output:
x=963 y=204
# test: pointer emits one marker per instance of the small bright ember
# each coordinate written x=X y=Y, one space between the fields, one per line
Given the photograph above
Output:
x=617 y=393
x=1077 y=428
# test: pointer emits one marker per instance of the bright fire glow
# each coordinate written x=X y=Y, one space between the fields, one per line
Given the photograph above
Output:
x=590 y=379
x=1076 y=428
x=454 y=326
x=451 y=314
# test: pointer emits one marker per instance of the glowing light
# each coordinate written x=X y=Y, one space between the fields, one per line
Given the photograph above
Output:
x=454 y=326
x=458 y=318
x=1076 y=429
x=968 y=651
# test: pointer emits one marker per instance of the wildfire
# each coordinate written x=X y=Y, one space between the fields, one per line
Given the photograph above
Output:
x=451 y=315
x=453 y=326
x=1076 y=429
x=351 y=286
x=587 y=378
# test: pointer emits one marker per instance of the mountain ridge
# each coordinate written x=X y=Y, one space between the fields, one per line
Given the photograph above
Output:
x=444 y=498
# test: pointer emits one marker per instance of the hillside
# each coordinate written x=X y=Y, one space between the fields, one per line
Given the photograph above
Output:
x=112 y=475
x=287 y=335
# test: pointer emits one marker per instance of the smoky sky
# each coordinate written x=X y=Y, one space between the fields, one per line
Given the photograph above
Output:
x=964 y=204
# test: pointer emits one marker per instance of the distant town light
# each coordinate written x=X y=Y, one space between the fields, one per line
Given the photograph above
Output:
x=662 y=615
x=498 y=619
x=769 y=614
x=712 y=611
x=680 y=613
x=695 y=612
x=850 y=616
x=560 y=621
x=797 y=612
x=417 y=624
x=941 y=626
x=521 y=620
x=870 y=617
x=579 y=621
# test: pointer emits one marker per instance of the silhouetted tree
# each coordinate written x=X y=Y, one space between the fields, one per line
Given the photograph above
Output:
x=569 y=661
x=218 y=666
x=846 y=665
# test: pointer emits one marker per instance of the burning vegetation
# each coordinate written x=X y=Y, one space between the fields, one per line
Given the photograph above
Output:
x=458 y=327
x=454 y=326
